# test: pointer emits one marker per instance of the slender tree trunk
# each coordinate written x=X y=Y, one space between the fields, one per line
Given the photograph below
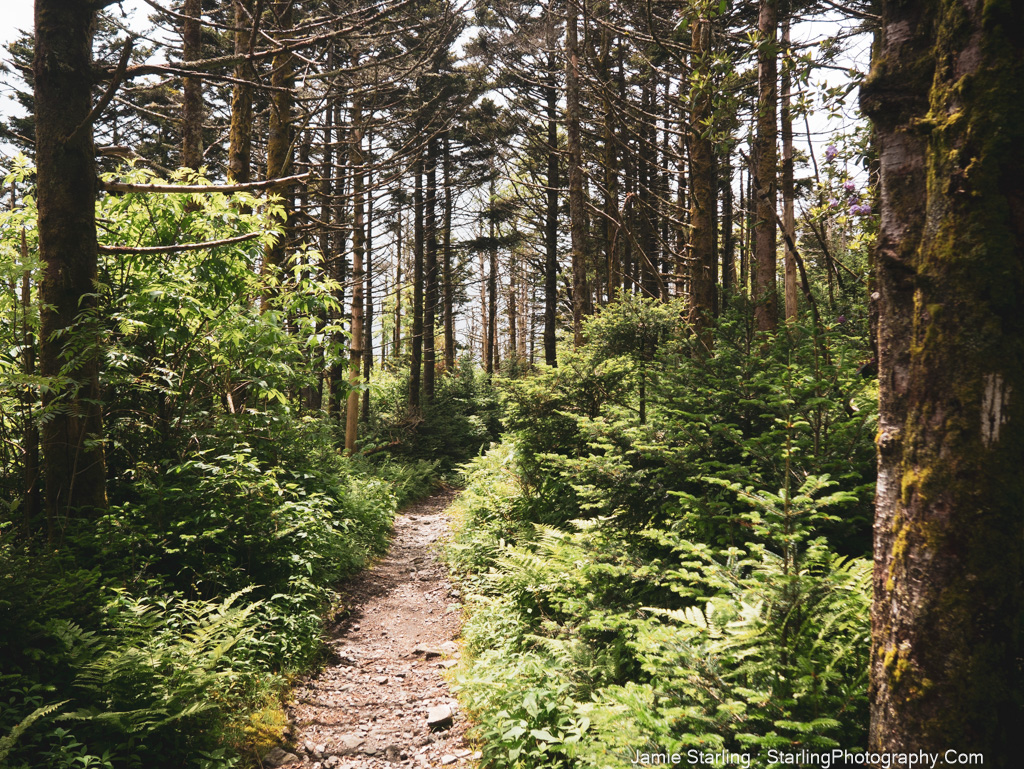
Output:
x=728 y=237
x=703 y=189
x=513 y=309
x=491 y=353
x=448 y=300
x=66 y=188
x=368 y=301
x=647 y=179
x=358 y=275
x=416 y=359
x=430 y=275
x=946 y=94
x=577 y=202
x=240 y=136
x=551 y=220
x=280 y=135
x=30 y=433
x=788 y=188
x=766 y=302
x=192 y=87
x=484 y=352
x=397 y=339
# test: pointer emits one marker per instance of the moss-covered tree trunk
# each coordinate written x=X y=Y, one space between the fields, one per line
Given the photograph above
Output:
x=947 y=97
x=73 y=461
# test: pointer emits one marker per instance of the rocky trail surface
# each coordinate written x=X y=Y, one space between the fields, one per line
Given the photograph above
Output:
x=382 y=701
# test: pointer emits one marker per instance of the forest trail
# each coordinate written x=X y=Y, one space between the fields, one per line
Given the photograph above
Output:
x=382 y=700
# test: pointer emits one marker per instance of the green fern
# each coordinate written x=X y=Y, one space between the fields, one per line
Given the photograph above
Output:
x=6 y=743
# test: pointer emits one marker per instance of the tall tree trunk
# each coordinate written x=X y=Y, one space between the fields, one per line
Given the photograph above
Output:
x=192 y=87
x=647 y=180
x=280 y=134
x=788 y=185
x=577 y=202
x=513 y=309
x=66 y=186
x=397 y=337
x=448 y=299
x=551 y=219
x=766 y=301
x=30 y=433
x=368 y=300
x=946 y=94
x=430 y=274
x=703 y=189
x=491 y=346
x=358 y=274
x=728 y=237
x=416 y=359
x=240 y=136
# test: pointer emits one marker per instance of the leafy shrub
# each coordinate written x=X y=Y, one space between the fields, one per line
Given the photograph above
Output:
x=628 y=569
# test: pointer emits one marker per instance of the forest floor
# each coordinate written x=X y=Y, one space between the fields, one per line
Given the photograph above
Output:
x=382 y=700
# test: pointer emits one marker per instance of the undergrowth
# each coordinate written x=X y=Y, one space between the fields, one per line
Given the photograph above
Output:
x=667 y=550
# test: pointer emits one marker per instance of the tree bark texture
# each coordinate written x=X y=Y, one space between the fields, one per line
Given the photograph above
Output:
x=766 y=301
x=430 y=275
x=73 y=459
x=577 y=202
x=703 y=189
x=447 y=269
x=281 y=130
x=416 y=358
x=788 y=183
x=358 y=276
x=551 y=222
x=192 y=87
x=240 y=135
x=947 y=96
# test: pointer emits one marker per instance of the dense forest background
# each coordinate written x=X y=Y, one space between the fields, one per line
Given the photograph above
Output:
x=272 y=268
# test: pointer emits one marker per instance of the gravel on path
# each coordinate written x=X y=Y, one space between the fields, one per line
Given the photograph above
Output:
x=382 y=701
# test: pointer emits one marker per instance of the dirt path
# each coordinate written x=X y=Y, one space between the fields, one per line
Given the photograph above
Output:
x=370 y=708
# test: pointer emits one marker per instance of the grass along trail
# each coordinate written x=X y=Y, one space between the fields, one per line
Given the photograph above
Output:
x=382 y=700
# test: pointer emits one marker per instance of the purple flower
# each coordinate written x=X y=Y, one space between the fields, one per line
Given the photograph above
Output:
x=841 y=319
x=833 y=203
x=860 y=209
x=830 y=153
x=849 y=186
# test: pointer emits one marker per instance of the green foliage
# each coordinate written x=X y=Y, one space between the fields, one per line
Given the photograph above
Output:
x=171 y=624
x=462 y=420
x=636 y=578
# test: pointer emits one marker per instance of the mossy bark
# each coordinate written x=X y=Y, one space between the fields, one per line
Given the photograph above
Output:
x=947 y=96
x=69 y=351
